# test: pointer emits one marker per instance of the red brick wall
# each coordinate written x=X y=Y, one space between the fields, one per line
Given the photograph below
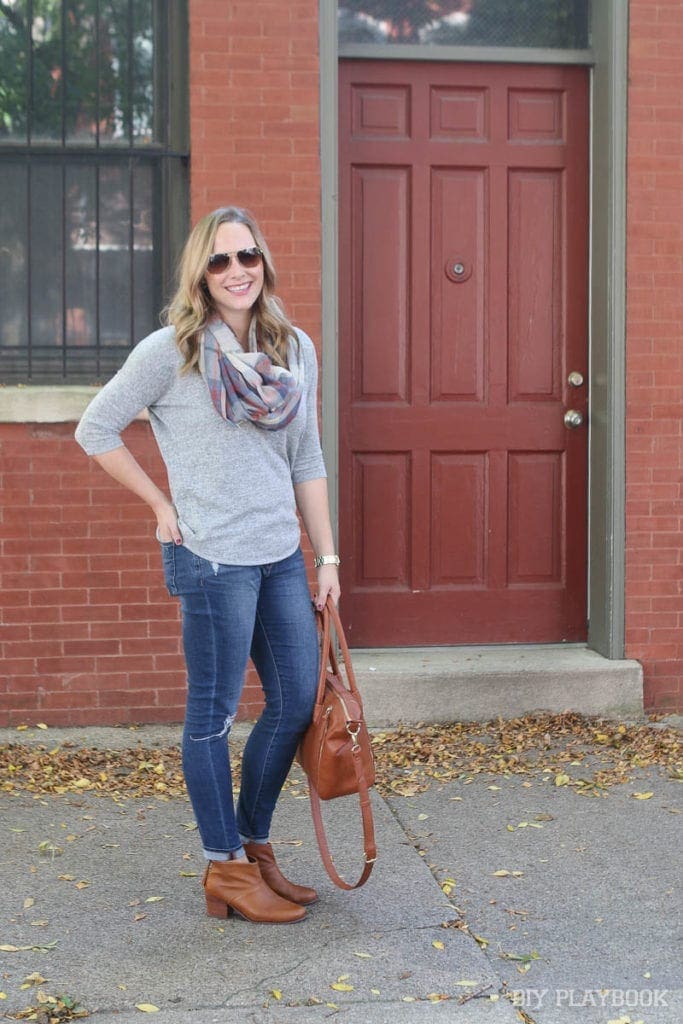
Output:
x=654 y=550
x=88 y=633
x=254 y=110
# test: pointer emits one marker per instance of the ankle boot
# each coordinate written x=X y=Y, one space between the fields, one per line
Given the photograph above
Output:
x=236 y=886
x=273 y=877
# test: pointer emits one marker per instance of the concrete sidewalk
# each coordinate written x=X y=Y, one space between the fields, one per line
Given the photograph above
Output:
x=583 y=929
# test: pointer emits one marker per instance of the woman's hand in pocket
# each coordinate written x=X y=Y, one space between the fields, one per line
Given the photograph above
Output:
x=167 y=524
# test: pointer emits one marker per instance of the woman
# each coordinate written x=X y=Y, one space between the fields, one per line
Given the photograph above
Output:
x=231 y=387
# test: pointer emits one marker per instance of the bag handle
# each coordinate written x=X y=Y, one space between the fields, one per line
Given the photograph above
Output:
x=330 y=615
x=369 y=844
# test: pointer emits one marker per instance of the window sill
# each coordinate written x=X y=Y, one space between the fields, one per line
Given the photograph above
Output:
x=59 y=403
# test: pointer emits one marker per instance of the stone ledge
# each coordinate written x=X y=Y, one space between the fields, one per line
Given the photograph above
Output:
x=32 y=403
x=58 y=403
x=446 y=684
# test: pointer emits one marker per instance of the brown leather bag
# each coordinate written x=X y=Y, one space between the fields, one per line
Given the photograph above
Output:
x=336 y=752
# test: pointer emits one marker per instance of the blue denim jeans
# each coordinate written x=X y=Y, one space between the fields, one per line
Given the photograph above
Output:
x=230 y=612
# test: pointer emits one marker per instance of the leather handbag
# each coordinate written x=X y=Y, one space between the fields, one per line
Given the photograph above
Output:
x=336 y=752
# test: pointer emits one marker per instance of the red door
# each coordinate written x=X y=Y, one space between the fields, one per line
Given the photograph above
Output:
x=463 y=345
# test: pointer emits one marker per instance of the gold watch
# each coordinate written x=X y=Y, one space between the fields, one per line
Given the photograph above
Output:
x=326 y=560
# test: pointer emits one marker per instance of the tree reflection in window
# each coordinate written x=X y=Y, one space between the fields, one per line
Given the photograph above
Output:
x=84 y=167
x=560 y=24
x=81 y=69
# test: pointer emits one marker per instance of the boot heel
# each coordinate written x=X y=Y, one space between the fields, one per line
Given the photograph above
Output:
x=216 y=908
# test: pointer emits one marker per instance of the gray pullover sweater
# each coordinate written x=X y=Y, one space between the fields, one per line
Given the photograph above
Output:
x=232 y=486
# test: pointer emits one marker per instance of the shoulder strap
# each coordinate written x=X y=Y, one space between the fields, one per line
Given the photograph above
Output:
x=369 y=845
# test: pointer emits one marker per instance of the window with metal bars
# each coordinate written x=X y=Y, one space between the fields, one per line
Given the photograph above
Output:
x=545 y=24
x=93 y=161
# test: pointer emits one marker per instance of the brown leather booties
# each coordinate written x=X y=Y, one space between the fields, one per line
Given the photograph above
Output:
x=236 y=886
x=273 y=877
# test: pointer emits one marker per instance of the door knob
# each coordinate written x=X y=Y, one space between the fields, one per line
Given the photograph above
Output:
x=573 y=418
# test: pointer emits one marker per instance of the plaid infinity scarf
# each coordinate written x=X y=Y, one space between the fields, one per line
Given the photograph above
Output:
x=245 y=386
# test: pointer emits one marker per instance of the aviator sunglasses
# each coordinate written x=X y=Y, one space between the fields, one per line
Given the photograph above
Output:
x=220 y=261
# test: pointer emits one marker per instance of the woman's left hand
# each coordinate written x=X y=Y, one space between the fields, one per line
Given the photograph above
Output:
x=328 y=583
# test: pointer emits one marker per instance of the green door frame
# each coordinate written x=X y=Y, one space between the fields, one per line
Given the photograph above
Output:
x=608 y=60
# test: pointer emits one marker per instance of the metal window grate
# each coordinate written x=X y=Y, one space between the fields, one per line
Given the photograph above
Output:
x=86 y=133
x=548 y=24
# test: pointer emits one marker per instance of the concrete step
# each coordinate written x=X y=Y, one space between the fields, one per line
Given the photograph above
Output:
x=445 y=684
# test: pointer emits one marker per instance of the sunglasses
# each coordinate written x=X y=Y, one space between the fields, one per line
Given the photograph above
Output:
x=220 y=261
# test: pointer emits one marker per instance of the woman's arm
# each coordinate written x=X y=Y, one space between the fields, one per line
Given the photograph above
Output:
x=313 y=504
x=123 y=467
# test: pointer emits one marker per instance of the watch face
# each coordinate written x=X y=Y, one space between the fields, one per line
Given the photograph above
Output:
x=326 y=560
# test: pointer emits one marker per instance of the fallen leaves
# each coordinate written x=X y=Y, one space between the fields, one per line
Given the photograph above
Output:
x=43 y=947
x=127 y=772
x=52 y=1009
x=407 y=759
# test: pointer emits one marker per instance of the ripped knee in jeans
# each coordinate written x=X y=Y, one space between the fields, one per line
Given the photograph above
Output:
x=227 y=725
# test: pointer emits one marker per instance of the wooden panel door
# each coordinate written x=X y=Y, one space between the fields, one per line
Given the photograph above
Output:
x=463 y=312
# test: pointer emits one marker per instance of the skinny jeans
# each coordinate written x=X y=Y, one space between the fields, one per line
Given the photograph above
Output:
x=229 y=613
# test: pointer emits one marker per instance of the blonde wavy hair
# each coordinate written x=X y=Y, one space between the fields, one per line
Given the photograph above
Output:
x=191 y=307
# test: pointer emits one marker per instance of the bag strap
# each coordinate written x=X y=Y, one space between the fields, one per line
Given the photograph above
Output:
x=330 y=616
x=369 y=845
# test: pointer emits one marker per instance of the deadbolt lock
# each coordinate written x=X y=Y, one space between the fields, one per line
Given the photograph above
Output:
x=575 y=379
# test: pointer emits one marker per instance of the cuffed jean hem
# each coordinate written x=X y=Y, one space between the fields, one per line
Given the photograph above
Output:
x=223 y=855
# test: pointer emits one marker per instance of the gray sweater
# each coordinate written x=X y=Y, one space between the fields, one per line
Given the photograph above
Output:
x=232 y=486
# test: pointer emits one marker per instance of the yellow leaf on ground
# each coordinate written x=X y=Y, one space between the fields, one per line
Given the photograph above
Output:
x=276 y=993
x=41 y=725
x=341 y=986
x=28 y=902
x=642 y=796
x=502 y=873
x=437 y=944
x=364 y=956
x=561 y=779
x=463 y=982
x=147 y=1007
x=35 y=979
x=154 y=899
